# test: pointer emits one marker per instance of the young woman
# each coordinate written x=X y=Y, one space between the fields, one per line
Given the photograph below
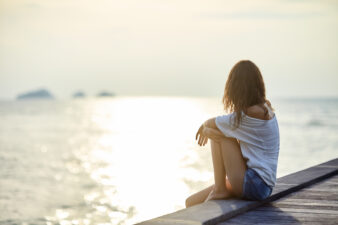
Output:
x=244 y=143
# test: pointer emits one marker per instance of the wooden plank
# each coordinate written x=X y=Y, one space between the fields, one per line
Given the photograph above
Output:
x=314 y=195
x=271 y=215
x=323 y=186
x=315 y=190
x=211 y=212
x=299 y=180
x=281 y=218
x=306 y=201
x=289 y=215
x=316 y=207
x=320 y=190
x=333 y=180
x=331 y=183
x=299 y=210
x=300 y=205
x=278 y=222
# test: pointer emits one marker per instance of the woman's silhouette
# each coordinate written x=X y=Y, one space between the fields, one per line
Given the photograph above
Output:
x=244 y=143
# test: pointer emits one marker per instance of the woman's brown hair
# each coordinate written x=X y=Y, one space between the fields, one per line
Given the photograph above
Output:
x=244 y=88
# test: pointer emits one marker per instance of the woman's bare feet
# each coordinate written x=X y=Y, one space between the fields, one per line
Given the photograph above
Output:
x=218 y=194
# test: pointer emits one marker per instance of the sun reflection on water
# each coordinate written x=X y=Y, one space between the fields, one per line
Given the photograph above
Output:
x=141 y=158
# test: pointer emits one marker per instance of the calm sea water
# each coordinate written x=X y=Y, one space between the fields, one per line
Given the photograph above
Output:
x=127 y=159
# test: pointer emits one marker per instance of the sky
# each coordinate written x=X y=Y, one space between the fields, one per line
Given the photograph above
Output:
x=175 y=48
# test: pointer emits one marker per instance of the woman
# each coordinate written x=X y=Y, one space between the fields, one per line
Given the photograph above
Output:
x=244 y=143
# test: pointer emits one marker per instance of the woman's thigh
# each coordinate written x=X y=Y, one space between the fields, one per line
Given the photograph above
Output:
x=234 y=163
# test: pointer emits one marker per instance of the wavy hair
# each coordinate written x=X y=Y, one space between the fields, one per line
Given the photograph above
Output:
x=244 y=88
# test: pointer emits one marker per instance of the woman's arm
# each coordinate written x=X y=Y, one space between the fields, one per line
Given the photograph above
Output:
x=208 y=130
x=210 y=123
x=213 y=134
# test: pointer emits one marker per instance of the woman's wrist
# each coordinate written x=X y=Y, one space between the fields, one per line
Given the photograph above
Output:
x=205 y=124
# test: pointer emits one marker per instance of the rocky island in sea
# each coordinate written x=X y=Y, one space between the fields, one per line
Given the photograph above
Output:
x=79 y=94
x=37 y=94
x=105 y=94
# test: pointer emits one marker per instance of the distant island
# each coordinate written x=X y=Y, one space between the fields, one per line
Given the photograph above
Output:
x=79 y=94
x=105 y=94
x=37 y=94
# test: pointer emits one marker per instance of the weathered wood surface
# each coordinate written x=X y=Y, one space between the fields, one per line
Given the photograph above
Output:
x=214 y=212
x=316 y=204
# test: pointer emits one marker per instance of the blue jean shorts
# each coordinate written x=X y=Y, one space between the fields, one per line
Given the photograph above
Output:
x=254 y=187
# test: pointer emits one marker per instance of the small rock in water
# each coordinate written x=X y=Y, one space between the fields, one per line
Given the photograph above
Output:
x=79 y=94
x=37 y=94
x=105 y=94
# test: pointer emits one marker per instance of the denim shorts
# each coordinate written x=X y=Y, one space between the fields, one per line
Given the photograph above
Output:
x=254 y=187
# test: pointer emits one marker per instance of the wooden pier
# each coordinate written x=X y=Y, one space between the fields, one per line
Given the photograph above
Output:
x=316 y=204
x=309 y=196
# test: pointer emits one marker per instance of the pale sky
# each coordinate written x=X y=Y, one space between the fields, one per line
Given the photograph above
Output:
x=177 y=47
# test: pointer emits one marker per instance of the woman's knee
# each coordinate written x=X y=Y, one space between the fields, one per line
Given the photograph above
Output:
x=189 y=202
x=213 y=142
x=226 y=141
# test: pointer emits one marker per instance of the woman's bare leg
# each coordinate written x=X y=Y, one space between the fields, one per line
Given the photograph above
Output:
x=222 y=187
x=234 y=164
x=218 y=164
x=219 y=190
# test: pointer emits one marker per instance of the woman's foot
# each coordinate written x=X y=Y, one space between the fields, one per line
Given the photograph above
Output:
x=218 y=194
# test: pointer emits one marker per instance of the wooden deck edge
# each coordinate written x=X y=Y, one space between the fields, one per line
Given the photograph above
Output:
x=213 y=212
x=301 y=186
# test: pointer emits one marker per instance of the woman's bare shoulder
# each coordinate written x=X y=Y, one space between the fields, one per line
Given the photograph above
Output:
x=258 y=112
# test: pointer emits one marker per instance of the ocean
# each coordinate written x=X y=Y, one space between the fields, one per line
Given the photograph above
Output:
x=123 y=160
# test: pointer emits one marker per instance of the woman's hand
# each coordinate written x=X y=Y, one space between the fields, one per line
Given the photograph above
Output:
x=205 y=132
x=202 y=139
